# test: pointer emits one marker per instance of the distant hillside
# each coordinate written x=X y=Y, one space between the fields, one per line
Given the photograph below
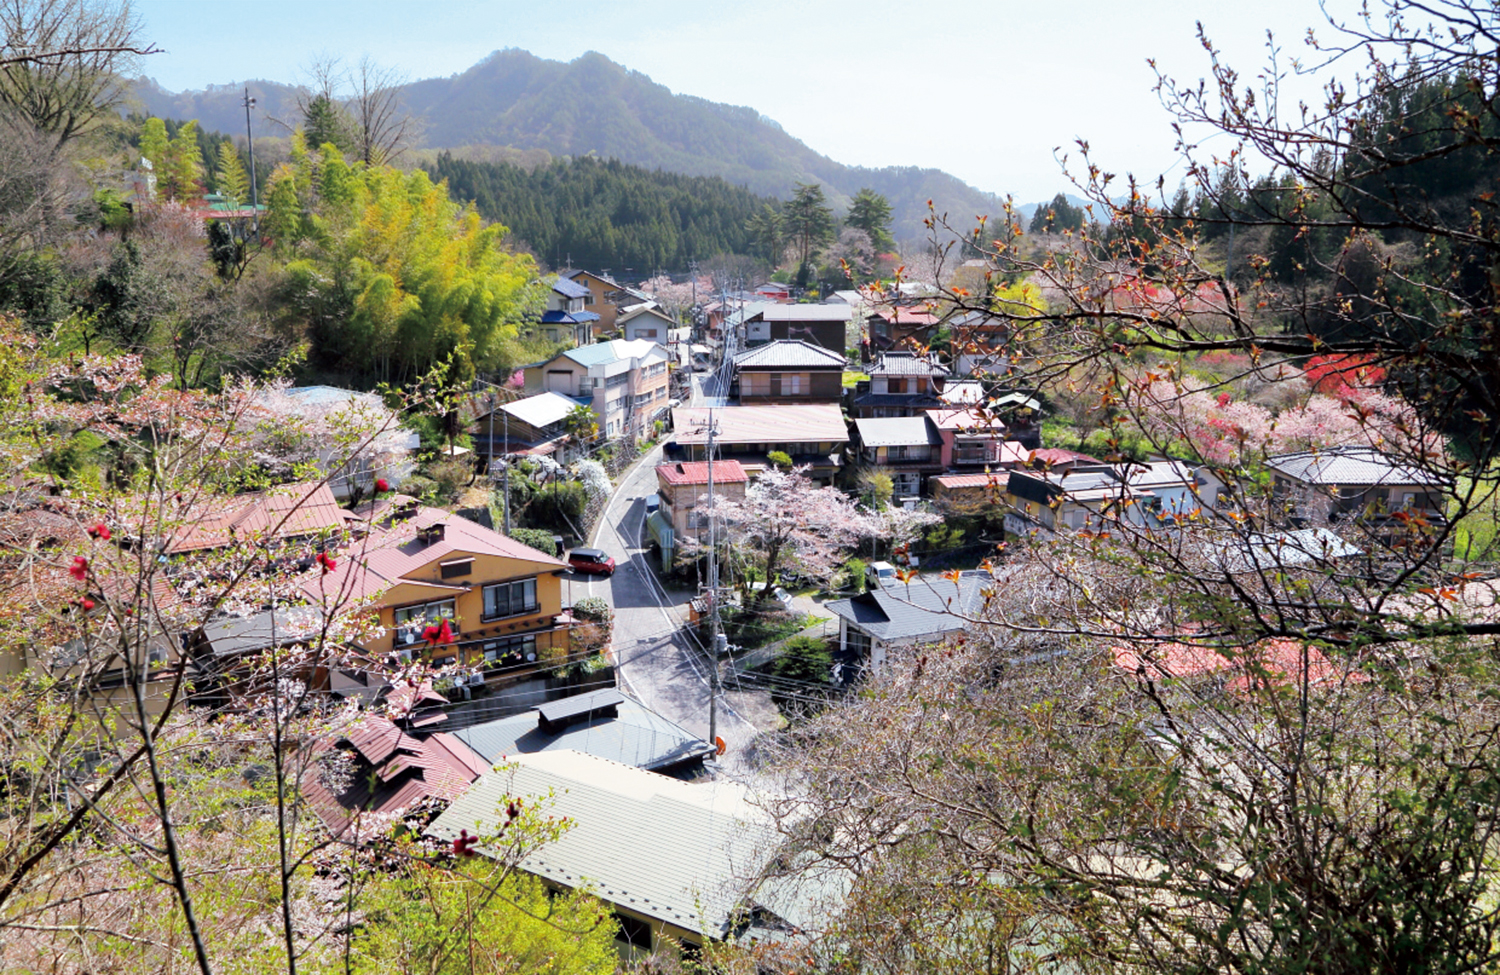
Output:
x=594 y=106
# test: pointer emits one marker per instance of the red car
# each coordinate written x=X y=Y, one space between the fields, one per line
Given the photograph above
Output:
x=592 y=561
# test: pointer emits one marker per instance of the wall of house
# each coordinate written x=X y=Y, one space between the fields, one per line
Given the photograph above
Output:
x=763 y=387
x=678 y=502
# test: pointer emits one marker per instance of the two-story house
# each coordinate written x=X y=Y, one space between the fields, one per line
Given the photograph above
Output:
x=908 y=448
x=681 y=485
x=788 y=371
x=606 y=297
x=824 y=325
x=814 y=436
x=422 y=570
x=533 y=425
x=900 y=384
x=1319 y=487
x=566 y=319
x=625 y=383
x=900 y=326
x=1046 y=503
x=646 y=321
x=972 y=438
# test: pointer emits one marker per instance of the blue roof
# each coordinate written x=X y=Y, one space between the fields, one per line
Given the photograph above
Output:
x=565 y=318
x=570 y=289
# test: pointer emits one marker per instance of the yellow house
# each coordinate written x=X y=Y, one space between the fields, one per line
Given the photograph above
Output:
x=420 y=568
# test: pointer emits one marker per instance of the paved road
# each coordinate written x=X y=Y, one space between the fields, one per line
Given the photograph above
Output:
x=660 y=663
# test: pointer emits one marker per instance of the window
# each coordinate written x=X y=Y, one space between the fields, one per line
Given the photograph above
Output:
x=793 y=384
x=509 y=652
x=647 y=333
x=634 y=932
x=551 y=335
x=895 y=385
x=510 y=599
x=412 y=620
x=456 y=568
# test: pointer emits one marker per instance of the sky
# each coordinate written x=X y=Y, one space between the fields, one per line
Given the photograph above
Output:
x=992 y=91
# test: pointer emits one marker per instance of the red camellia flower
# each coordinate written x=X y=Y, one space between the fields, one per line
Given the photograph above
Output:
x=100 y=531
x=326 y=562
x=80 y=568
x=381 y=484
x=87 y=604
x=464 y=845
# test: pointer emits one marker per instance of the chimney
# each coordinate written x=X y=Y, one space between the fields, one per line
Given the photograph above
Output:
x=432 y=533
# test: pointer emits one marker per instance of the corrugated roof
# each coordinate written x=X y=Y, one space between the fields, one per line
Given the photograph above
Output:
x=603 y=353
x=807 y=313
x=962 y=391
x=636 y=736
x=966 y=418
x=286 y=511
x=923 y=608
x=895 y=431
x=962 y=481
x=1349 y=465
x=1273 y=551
x=542 y=409
x=789 y=354
x=696 y=472
x=820 y=423
x=229 y=635
x=666 y=849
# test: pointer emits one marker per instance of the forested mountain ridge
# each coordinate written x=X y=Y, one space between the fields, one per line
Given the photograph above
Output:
x=594 y=106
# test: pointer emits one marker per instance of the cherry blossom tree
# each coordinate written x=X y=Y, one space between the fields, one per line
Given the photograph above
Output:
x=784 y=516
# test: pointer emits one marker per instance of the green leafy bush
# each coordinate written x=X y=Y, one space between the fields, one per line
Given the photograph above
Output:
x=536 y=538
x=594 y=609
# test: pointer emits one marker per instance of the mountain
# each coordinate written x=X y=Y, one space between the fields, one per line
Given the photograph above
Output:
x=593 y=106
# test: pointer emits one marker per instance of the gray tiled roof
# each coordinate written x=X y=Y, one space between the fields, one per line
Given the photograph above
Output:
x=1349 y=465
x=789 y=354
x=924 y=607
x=637 y=736
x=897 y=431
x=906 y=364
x=1271 y=552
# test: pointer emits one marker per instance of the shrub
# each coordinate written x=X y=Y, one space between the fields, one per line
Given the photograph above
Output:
x=419 y=487
x=781 y=459
x=536 y=538
x=450 y=475
x=854 y=574
x=594 y=609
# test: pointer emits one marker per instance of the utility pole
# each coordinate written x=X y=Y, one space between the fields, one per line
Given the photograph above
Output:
x=713 y=595
x=250 y=145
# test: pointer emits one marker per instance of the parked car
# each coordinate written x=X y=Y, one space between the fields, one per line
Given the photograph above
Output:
x=591 y=561
x=878 y=574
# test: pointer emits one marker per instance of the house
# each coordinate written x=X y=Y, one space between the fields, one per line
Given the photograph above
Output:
x=814 y=436
x=1169 y=486
x=374 y=769
x=532 y=426
x=977 y=341
x=823 y=325
x=605 y=724
x=605 y=297
x=1318 y=549
x=646 y=321
x=1320 y=487
x=900 y=384
x=971 y=438
x=1045 y=503
x=285 y=513
x=679 y=861
x=908 y=448
x=900 y=327
x=625 y=383
x=680 y=485
x=421 y=570
x=566 y=319
x=1022 y=416
x=788 y=371
x=921 y=611
x=968 y=494
x=313 y=425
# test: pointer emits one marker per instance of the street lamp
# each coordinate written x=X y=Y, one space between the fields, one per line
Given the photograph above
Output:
x=250 y=145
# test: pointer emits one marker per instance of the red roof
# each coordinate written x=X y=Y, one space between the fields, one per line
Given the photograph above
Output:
x=696 y=472
x=959 y=481
x=1056 y=455
x=389 y=771
x=1275 y=660
x=906 y=316
x=287 y=511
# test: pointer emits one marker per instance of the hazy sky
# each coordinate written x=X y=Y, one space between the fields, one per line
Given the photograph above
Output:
x=984 y=90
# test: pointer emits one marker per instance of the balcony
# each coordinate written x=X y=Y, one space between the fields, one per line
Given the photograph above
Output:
x=976 y=453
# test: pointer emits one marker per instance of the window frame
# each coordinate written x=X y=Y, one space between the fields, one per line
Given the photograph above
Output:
x=528 y=609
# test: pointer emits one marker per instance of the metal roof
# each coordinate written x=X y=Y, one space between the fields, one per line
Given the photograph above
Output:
x=286 y=511
x=542 y=409
x=821 y=423
x=634 y=736
x=1273 y=551
x=696 y=472
x=554 y=317
x=896 y=431
x=669 y=850
x=603 y=353
x=1349 y=465
x=807 y=313
x=921 y=609
x=229 y=635
x=963 y=391
x=789 y=354
x=570 y=289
